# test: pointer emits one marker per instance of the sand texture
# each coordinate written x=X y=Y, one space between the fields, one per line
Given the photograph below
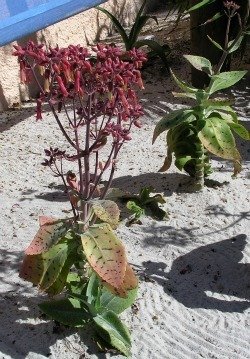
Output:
x=194 y=268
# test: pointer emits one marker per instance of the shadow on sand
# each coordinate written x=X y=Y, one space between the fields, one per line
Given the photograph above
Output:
x=206 y=276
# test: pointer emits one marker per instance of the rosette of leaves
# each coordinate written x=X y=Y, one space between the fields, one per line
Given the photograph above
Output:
x=206 y=128
x=131 y=40
x=146 y=204
x=91 y=268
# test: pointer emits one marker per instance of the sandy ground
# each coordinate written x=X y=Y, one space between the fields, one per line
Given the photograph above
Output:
x=194 y=268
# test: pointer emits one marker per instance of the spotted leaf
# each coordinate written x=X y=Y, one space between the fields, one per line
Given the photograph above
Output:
x=172 y=119
x=50 y=232
x=225 y=80
x=53 y=263
x=217 y=138
x=129 y=283
x=32 y=268
x=105 y=253
x=107 y=211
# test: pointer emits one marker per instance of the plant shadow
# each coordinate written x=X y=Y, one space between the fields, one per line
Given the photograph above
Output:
x=24 y=330
x=206 y=276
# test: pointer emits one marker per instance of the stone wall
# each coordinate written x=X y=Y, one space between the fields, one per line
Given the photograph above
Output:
x=84 y=28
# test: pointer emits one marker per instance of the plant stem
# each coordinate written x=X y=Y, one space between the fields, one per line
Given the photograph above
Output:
x=199 y=167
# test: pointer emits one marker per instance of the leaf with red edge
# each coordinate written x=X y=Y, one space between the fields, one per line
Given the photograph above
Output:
x=130 y=282
x=50 y=232
x=32 y=269
x=105 y=253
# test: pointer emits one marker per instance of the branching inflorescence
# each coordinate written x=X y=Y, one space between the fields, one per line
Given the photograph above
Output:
x=96 y=96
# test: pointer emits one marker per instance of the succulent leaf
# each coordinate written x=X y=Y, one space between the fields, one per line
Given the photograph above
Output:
x=200 y=63
x=225 y=80
x=217 y=138
x=68 y=311
x=115 y=332
x=50 y=232
x=173 y=119
x=105 y=253
x=183 y=85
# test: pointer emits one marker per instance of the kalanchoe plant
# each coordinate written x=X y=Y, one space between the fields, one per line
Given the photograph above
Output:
x=94 y=103
x=208 y=126
x=131 y=40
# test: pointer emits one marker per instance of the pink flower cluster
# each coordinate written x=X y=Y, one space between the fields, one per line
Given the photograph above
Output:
x=101 y=84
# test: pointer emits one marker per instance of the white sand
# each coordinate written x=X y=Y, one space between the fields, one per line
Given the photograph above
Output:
x=194 y=269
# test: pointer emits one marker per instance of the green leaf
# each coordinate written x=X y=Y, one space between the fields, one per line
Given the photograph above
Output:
x=156 y=48
x=107 y=211
x=217 y=138
x=61 y=280
x=236 y=45
x=138 y=24
x=180 y=162
x=200 y=4
x=50 y=232
x=225 y=80
x=217 y=103
x=66 y=311
x=76 y=285
x=117 y=24
x=240 y=130
x=172 y=119
x=184 y=95
x=53 y=263
x=183 y=85
x=215 y=43
x=105 y=253
x=92 y=292
x=116 y=332
x=116 y=303
x=135 y=209
x=200 y=63
x=224 y=111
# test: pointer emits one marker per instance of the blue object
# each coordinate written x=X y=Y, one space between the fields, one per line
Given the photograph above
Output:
x=22 y=17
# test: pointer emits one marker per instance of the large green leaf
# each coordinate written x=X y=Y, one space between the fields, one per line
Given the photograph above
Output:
x=116 y=303
x=225 y=80
x=240 y=130
x=105 y=253
x=107 y=211
x=115 y=332
x=183 y=85
x=217 y=138
x=92 y=292
x=50 y=232
x=67 y=311
x=200 y=63
x=172 y=119
x=61 y=280
x=53 y=263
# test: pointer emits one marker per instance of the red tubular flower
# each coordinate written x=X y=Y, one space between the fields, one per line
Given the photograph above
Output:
x=77 y=81
x=61 y=86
